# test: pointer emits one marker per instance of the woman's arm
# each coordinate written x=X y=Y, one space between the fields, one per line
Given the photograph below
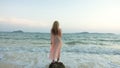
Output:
x=51 y=38
x=60 y=32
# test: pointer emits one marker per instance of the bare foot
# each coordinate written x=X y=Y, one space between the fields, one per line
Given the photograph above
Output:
x=53 y=61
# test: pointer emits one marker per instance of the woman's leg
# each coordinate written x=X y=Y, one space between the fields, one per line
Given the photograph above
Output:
x=53 y=58
x=58 y=59
x=58 y=56
x=53 y=61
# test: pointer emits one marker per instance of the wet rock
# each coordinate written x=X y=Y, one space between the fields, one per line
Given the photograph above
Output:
x=57 y=65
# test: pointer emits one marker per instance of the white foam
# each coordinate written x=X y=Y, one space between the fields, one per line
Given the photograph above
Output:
x=71 y=60
x=71 y=56
x=1 y=56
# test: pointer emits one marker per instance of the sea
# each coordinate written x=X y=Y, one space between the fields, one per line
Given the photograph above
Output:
x=79 y=50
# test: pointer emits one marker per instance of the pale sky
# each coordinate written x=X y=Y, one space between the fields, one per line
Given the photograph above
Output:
x=101 y=16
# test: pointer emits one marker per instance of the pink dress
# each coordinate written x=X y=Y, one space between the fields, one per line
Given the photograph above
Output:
x=55 y=47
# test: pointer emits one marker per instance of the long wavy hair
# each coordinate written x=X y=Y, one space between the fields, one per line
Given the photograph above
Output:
x=55 y=28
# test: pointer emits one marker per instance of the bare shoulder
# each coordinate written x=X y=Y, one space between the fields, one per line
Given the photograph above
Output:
x=60 y=29
x=60 y=32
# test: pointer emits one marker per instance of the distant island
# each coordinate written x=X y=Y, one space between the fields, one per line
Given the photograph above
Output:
x=93 y=33
x=83 y=33
x=18 y=31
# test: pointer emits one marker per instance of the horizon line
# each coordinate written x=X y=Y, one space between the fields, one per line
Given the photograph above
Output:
x=82 y=32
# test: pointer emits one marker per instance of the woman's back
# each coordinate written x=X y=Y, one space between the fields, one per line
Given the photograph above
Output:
x=55 y=42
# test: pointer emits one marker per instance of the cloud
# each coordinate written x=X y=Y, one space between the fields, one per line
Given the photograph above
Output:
x=23 y=22
x=90 y=25
x=27 y=25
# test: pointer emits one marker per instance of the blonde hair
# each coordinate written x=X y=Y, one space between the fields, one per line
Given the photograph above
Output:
x=55 y=28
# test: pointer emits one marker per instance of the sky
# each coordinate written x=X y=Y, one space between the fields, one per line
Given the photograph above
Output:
x=102 y=16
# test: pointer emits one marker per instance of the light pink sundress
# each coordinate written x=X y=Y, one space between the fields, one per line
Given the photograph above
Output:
x=55 y=47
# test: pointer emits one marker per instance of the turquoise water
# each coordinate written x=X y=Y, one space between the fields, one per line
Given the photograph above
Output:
x=87 y=50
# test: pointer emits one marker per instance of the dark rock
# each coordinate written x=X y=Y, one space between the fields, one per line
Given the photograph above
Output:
x=18 y=31
x=57 y=65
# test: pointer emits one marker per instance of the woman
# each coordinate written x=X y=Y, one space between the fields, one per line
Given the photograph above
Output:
x=56 y=42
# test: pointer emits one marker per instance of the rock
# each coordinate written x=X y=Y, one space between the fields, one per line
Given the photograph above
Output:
x=57 y=65
x=18 y=31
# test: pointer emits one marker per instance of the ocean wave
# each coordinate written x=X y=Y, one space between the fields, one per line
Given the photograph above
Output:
x=86 y=43
x=76 y=42
x=114 y=40
x=43 y=43
x=93 y=50
x=25 y=49
x=74 y=49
